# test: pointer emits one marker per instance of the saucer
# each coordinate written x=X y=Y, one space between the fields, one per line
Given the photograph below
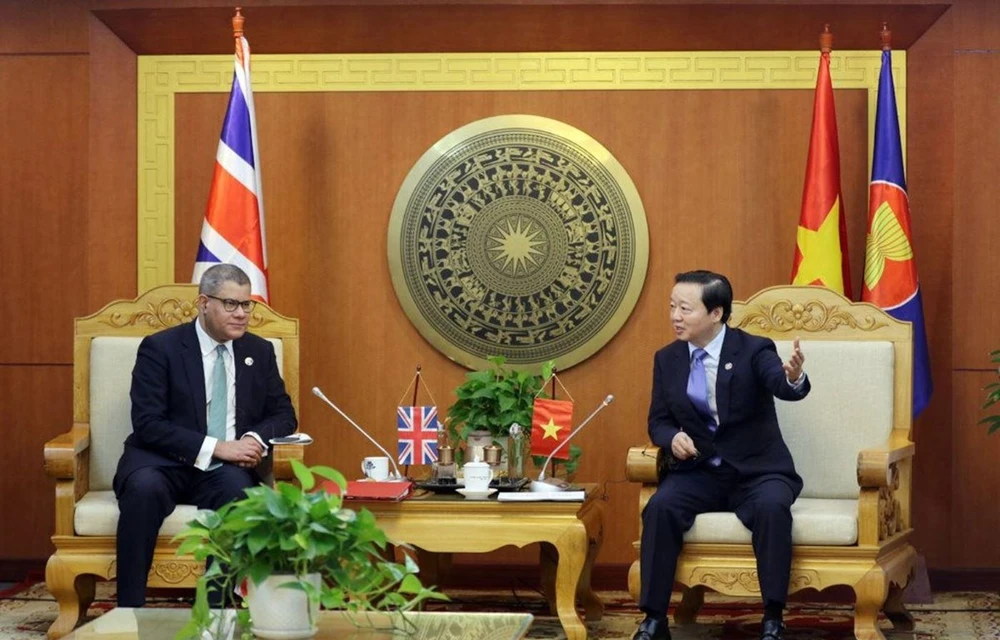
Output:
x=476 y=495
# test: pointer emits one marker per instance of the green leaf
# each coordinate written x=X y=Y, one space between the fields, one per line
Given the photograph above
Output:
x=303 y=475
x=332 y=475
x=410 y=584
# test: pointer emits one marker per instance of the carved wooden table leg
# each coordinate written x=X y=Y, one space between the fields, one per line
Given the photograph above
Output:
x=594 y=521
x=433 y=566
x=572 y=548
x=548 y=559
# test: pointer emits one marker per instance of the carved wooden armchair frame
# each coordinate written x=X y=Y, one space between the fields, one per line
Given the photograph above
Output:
x=79 y=560
x=880 y=564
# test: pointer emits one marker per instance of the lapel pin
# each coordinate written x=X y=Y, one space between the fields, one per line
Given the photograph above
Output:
x=249 y=361
x=729 y=365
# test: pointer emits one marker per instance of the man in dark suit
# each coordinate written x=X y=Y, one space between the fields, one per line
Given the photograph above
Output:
x=713 y=409
x=206 y=399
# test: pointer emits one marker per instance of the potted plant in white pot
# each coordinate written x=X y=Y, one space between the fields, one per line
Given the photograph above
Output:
x=295 y=548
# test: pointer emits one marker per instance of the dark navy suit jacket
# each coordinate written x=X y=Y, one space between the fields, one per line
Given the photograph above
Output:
x=169 y=421
x=748 y=436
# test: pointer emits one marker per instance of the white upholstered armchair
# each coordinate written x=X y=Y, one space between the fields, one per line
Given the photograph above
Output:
x=83 y=460
x=850 y=439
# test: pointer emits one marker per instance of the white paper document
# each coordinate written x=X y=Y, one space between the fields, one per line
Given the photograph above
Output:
x=541 y=496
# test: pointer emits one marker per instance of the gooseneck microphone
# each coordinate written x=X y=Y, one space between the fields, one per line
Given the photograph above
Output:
x=392 y=461
x=541 y=484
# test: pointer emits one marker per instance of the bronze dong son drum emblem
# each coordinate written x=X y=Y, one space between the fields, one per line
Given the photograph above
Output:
x=518 y=236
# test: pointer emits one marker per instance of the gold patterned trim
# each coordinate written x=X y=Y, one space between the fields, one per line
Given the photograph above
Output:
x=890 y=513
x=168 y=312
x=728 y=580
x=161 y=78
x=176 y=571
x=784 y=316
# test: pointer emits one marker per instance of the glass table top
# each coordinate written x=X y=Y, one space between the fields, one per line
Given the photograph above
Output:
x=163 y=624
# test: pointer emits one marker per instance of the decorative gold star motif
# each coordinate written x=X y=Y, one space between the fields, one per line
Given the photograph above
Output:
x=551 y=430
x=514 y=249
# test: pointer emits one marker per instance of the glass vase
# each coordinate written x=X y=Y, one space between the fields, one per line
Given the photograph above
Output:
x=516 y=452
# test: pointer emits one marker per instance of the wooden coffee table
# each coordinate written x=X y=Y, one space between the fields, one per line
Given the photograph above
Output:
x=570 y=534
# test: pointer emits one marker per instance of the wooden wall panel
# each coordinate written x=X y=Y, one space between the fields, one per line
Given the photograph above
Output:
x=37 y=405
x=977 y=25
x=111 y=217
x=49 y=26
x=976 y=329
x=43 y=204
x=975 y=517
x=720 y=174
x=931 y=185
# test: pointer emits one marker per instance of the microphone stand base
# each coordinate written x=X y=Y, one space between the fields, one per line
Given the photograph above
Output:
x=549 y=485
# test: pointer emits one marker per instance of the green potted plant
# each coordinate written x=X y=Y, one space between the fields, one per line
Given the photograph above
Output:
x=992 y=396
x=295 y=548
x=493 y=399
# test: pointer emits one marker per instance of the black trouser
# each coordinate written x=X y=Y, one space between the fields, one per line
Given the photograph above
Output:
x=146 y=497
x=763 y=504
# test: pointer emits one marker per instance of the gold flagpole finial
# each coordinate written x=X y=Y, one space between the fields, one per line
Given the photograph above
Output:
x=886 y=36
x=238 y=23
x=826 y=40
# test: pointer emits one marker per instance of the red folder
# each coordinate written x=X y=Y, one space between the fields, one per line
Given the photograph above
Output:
x=368 y=490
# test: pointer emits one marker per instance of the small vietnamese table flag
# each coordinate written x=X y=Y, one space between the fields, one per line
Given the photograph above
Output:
x=551 y=423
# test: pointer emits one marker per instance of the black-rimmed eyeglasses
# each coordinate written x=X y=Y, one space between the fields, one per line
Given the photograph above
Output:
x=230 y=305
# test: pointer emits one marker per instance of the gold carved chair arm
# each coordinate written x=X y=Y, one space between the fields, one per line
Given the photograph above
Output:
x=67 y=459
x=645 y=464
x=283 y=455
x=875 y=465
x=884 y=500
x=64 y=452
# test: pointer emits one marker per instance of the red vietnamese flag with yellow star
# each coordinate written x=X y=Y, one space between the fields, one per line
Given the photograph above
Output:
x=551 y=422
x=821 y=243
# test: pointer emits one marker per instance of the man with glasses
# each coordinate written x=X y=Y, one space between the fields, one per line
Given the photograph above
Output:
x=206 y=398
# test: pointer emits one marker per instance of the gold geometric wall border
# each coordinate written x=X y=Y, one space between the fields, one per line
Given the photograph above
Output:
x=160 y=78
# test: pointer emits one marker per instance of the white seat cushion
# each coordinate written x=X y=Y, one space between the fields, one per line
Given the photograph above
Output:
x=817 y=521
x=97 y=515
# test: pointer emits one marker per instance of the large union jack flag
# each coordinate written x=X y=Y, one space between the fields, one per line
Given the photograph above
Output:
x=233 y=230
x=417 y=429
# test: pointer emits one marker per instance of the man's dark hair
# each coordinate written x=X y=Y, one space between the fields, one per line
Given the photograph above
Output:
x=214 y=277
x=715 y=290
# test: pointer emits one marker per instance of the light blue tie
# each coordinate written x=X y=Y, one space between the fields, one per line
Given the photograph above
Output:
x=217 y=407
x=697 y=391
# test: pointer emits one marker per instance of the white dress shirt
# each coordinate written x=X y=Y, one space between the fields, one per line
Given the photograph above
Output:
x=208 y=360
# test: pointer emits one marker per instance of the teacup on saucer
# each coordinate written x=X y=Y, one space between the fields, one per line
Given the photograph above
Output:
x=476 y=495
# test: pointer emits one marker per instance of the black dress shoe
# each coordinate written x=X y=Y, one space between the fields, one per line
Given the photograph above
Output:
x=772 y=630
x=652 y=629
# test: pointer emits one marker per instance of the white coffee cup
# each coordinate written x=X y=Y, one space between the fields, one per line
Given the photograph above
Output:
x=478 y=476
x=375 y=468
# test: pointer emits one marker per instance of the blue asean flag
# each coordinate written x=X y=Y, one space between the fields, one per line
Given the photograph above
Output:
x=890 y=280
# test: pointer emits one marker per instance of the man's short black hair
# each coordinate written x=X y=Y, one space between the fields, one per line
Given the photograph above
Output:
x=715 y=290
